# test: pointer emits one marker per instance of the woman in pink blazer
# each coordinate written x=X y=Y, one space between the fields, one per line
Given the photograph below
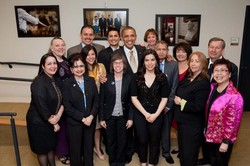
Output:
x=223 y=114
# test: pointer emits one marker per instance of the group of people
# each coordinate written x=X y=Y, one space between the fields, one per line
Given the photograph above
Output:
x=131 y=96
x=103 y=24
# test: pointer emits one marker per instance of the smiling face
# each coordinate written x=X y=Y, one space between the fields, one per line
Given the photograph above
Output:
x=150 y=62
x=195 y=64
x=91 y=57
x=181 y=55
x=113 y=38
x=78 y=69
x=151 y=40
x=162 y=51
x=221 y=74
x=87 y=35
x=215 y=50
x=50 y=66
x=118 y=66
x=58 y=47
x=129 y=38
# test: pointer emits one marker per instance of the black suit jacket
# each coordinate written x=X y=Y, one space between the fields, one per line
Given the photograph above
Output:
x=234 y=74
x=73 y=100
x=140 y=50
x=196 y=94
x=108 y=97
x=102 y=22
x=104 y=57
x=44 y=100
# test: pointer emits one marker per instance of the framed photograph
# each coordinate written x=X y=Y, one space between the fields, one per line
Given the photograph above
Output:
x=103 y=19
x=178 y=28
x=38 y=21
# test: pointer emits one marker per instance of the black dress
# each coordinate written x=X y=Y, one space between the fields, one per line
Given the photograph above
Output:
x=45 y=101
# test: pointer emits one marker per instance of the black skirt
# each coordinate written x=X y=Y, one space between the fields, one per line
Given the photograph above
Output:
x=42 y=138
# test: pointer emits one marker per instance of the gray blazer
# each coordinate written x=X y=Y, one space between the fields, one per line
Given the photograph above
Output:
x=78 y=48
x=171 y=71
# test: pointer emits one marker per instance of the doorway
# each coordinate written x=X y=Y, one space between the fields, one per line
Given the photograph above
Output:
x=244 y=74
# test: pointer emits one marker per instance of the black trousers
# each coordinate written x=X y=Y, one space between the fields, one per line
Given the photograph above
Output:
x=148 y=135
x=165 y=132
x=116 y=135
x=189 y=139
x=218 y=158
x=205 y=149
x=81 y=142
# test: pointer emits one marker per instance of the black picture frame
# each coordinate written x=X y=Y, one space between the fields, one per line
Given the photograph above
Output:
x=38 y=21
x=100 y=29
x=178 y=28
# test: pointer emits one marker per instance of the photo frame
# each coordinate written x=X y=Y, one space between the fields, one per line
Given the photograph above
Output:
x=178 y=28
x=103 y=19
x=38 y=21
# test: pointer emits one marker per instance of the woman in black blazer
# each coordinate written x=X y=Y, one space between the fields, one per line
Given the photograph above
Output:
x=190 y=100
x=116 y=110
x=45 y=111
x=81 y=100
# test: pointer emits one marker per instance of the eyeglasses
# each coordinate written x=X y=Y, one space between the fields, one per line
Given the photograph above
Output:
x=118 y=62
x=220 y=71
x=79 y=66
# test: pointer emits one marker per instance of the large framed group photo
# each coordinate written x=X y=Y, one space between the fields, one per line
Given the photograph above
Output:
x=178 y=28
x=103 y=19
x=38 y=21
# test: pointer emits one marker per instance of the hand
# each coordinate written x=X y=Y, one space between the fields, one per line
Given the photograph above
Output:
x=56 y=127
x=103 y=124
x=88 y=120
x=147 y=115
x=177 y=100
x=102 y=78
x=152 y=118
x=223 y=147
x=129 y=124
x=53 y=119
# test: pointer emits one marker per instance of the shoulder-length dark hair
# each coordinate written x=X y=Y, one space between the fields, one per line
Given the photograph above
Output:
x=142 y=70
x=85 y=51
x=43 y=61
x=115 y=57
x=182 y=46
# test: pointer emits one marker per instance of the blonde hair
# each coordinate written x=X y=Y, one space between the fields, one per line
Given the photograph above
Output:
x=204 y=63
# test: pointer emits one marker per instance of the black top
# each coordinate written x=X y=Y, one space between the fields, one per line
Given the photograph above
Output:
x=73 y=100
x=150 y=97
x=108 y=97
x=44 y=99
x=195 y=93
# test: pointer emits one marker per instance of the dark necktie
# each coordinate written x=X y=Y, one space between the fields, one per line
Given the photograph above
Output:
x=210 y=69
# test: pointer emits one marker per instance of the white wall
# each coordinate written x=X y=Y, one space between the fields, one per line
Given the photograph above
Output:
x=223 y=18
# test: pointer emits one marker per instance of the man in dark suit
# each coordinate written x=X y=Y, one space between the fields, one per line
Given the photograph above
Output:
x=87 y=36
x=170 y=68
x=103 y=25
x=118 y=22
x=110 y=22
x=216 y=48
x=105 y=55
x=128 y=36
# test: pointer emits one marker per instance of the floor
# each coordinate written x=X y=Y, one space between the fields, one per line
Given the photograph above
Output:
x=240 y=155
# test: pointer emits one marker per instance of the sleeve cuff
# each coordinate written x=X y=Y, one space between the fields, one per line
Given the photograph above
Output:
x=226 y=141
x=183 y=103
